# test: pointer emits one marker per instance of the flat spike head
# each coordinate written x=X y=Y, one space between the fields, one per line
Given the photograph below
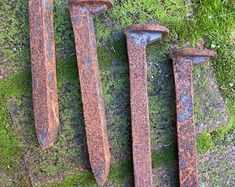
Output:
x=108 y=3
x=146 y=34
x=198 y=56
x=147 y=28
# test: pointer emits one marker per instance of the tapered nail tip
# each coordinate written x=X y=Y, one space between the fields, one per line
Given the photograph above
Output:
x=100 y=182
x=109 y=3
x=45 y=144
x=147 y=28
x=101 y=174
x=47 y=139
x=193 y=52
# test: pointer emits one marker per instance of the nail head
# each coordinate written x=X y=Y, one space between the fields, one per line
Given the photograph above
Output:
x=147 y=28
x=192 y=52
x=109 y=3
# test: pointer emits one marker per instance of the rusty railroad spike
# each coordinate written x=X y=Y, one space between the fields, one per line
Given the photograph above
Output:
x=82 y=13
x=183 y=61
x=138 y=37
x=45 y=99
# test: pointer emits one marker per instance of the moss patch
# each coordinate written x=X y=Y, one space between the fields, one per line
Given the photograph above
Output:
x=204 y=142
x=167 y=156
x=222 y=136
x=10 y=147
x=15 y=85
x=14 y=31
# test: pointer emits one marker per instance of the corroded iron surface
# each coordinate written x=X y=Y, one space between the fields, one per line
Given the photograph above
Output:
x=138 y=37
x=93 y=107
x=45 y=100
x=193 y=52
x=183 y=60
x=108 y=3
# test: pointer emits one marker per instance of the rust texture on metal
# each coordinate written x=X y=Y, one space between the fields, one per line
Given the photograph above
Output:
x=138 y=37
x=108 y=3
x=82 y=14
x=45 y=99
x=183 y=61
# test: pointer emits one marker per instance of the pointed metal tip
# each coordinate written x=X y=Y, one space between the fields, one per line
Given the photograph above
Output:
x=46 y=140
x=46 y=146
x=101 y=173
x=100 y=183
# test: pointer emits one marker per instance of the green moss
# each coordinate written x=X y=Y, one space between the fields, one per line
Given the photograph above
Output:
x=167 y=12
x=16 y=84
x=67 y=71
x=197 y=111
x=115 y=51
x=230 y=105
x=167 y=156
x=63 y=28
x=207 y=141
x=9 y=146
x=14 y=31
x=220 y=134
x=214 y=23
x=121 y=172
x=204 y=143
x=83 y=180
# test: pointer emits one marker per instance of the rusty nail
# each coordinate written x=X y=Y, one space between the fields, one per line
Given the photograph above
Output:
x=183 y=60
x=45 y=100
x=138 y=37
x=82 y=13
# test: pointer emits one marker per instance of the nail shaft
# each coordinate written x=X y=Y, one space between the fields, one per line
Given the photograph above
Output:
x=183 y=61
x=45 y=100
x=138 y=37
x=82 y=14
